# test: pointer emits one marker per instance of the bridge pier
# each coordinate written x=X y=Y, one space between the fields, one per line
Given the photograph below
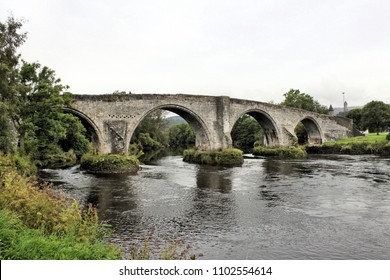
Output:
x=114 y=118
x=116 y=136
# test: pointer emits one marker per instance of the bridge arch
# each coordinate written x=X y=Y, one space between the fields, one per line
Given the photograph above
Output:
x=201 y=131
x=271 y=131
x=92 y=128
x=314 y=133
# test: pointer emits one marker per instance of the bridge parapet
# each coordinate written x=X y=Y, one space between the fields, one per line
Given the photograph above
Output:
x=115 y=118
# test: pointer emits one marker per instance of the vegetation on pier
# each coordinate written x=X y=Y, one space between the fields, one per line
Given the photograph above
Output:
x=224 y=157
x=109 y=164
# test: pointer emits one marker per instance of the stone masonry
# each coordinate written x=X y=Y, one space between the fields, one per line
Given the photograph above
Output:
x=112 y=119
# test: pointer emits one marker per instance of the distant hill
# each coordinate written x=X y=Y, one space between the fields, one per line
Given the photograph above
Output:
x=171 y=121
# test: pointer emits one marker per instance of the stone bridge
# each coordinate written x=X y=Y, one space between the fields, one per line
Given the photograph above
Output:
x=112 y=119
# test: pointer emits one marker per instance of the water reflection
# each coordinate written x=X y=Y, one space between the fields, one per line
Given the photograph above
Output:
x=215 y=178
x=328 y=207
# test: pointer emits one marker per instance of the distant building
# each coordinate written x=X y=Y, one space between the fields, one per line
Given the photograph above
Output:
x=345 y=106
x=331 y=111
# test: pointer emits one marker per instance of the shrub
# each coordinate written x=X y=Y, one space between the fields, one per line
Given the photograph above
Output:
x=388 y=137
x=21 y=164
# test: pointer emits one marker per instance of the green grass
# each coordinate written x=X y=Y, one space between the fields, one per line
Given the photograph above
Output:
x=38 y=223
x=371 y=144
x=19 y=242
x=371 y=138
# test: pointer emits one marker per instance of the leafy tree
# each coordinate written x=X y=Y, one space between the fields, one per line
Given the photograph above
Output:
x=10 y=40
x=181 y=136
x=32 y=97
x=246 y=132
x=301 y=133
x=152 y=127
x=294 y=98
x=375 y=116
x=356 y=116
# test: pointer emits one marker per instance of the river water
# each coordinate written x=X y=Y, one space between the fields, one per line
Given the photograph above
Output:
x=323 y=207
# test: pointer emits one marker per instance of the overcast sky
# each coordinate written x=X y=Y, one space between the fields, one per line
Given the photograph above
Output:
x=250 y=49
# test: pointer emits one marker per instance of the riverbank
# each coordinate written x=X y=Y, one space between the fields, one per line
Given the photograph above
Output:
x=36 y=223
x=225 y=157
x=361 y=145
x=282 y=152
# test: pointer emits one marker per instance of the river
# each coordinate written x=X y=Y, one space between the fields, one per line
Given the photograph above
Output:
x=323 y=207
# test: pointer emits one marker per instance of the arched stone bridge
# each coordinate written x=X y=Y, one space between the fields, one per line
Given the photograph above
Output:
x=112 y=119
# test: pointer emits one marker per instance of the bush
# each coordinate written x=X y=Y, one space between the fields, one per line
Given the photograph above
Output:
x=110 y=163
x=21 y=164
x=388 y=137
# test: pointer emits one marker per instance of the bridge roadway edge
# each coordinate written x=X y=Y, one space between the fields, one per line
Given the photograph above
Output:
x=115 y=117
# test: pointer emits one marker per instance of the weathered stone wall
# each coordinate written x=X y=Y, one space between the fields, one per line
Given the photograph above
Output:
x=115 y=118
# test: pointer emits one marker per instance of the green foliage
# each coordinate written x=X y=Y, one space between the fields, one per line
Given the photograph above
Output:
x=109 y=164
x=18 y=242
x=388 y=137
x=151 y=133
x=301 y=133
x=15 y=162
x=181 y=136
x=247 y=133
x=285 y=152
x=375 y=116
x=38 y=223
x=32 y=98
x=225 y=157
x=371 y=138
x=5 y=130
x=10 y=40
x=356 y=116
x=148 y=143
x=294 y=98
x=371 y=144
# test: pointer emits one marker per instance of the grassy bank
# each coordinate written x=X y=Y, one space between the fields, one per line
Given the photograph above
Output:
x=371 y=144
x=109 y=164
x=282 y=152
x=225 y=157
x=37 y=223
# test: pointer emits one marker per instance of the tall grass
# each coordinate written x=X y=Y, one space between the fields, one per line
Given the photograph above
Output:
x=19 y=242
x=38 y=223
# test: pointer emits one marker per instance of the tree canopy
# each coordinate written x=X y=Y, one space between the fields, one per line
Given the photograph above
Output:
x=356 y=116
x=375 y=116
x=32 y=99
x=294 y=98
x=246 y=133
